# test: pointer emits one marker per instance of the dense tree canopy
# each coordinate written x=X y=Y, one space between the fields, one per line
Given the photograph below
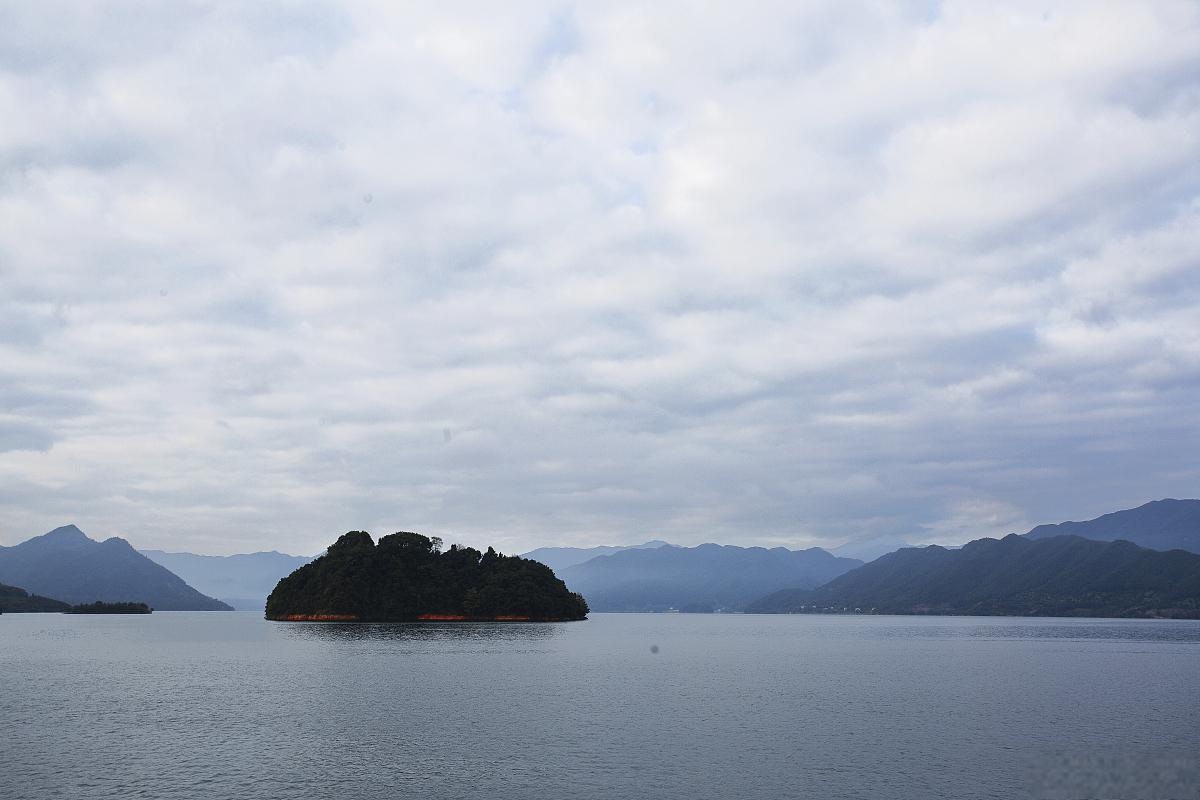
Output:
x=110 y=608
x=407 y=576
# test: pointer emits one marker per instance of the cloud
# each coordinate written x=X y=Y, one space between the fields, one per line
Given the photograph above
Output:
x=799 y=275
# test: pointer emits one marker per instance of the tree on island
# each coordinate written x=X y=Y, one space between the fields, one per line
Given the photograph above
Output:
x=407 y=576
x=110 y=608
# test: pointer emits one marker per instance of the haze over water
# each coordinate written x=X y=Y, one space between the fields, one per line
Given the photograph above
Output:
x=183 y=705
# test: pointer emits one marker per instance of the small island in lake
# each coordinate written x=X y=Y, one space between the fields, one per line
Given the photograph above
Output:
x=407 y=577
x=110 y=608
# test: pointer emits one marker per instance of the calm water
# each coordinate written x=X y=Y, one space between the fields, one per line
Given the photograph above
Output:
x=193 y=705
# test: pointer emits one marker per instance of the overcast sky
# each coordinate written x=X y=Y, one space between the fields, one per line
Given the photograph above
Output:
x=757 y=273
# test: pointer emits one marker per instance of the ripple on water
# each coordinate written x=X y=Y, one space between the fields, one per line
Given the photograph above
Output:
x=229 y=705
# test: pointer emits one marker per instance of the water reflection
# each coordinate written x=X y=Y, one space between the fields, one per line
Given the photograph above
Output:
x=482 y=632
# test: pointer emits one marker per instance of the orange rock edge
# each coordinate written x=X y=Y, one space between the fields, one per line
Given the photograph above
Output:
x=420 y=617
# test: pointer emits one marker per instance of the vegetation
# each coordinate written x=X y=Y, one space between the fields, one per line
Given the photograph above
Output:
x=15 y=601
x=110 y=608
x=407 y=577
x=1062 y=576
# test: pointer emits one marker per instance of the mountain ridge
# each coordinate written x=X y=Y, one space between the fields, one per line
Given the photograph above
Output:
x=242 y=580
x=1166 y=524
x=67 y=565
x=1013 y=576
x=707 y=577
x=559 y=558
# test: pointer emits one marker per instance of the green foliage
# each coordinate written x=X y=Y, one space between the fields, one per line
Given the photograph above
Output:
x=110 y=608
x=406 y=575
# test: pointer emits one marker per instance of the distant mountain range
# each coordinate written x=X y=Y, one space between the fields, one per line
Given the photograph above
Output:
x=871 y=549
x=706 y=578
x=243 y=581
x=1016 y=575
x=1160 y=525
x=66 y=565
x=1032 y=574
x=14 y=600
x=559 y=558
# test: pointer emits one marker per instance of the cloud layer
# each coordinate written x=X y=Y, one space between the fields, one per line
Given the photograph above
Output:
x=578 y=274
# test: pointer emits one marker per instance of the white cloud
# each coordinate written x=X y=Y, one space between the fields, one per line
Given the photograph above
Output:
x=777 y=274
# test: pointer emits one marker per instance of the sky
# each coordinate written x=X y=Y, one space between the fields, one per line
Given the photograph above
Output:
x=529 y=274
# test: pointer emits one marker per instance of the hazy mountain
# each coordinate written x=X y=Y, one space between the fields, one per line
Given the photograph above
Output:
x=243 y=581
x=1059 y=576
x=67 y=565
x=559 y=558
x=704 y=578
x=14 y=600
x=1159 y=525
x=870 y=549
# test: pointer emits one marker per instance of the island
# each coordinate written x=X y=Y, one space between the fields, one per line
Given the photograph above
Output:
x=407 y=577
x=110 y=608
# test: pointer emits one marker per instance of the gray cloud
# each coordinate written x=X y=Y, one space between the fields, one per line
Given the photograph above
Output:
x=775 y=274
x=22 y=436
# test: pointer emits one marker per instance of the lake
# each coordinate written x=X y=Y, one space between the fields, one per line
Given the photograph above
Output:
x=227 y=705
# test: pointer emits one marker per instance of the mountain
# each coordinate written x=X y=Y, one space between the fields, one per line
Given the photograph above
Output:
x=67 y=565
x=1160 y=525
x=1059 y=576
x=243 y=581
x=407 y=578
x=14 y=600
x=870 y=549
x=705 y=578
x=559 y=558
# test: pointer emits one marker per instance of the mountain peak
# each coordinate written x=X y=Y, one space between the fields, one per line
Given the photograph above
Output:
x=67 y=565
x=67 y=533
x=117 y=542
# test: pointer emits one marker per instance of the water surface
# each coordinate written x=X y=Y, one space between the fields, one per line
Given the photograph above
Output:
x=220 y=705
